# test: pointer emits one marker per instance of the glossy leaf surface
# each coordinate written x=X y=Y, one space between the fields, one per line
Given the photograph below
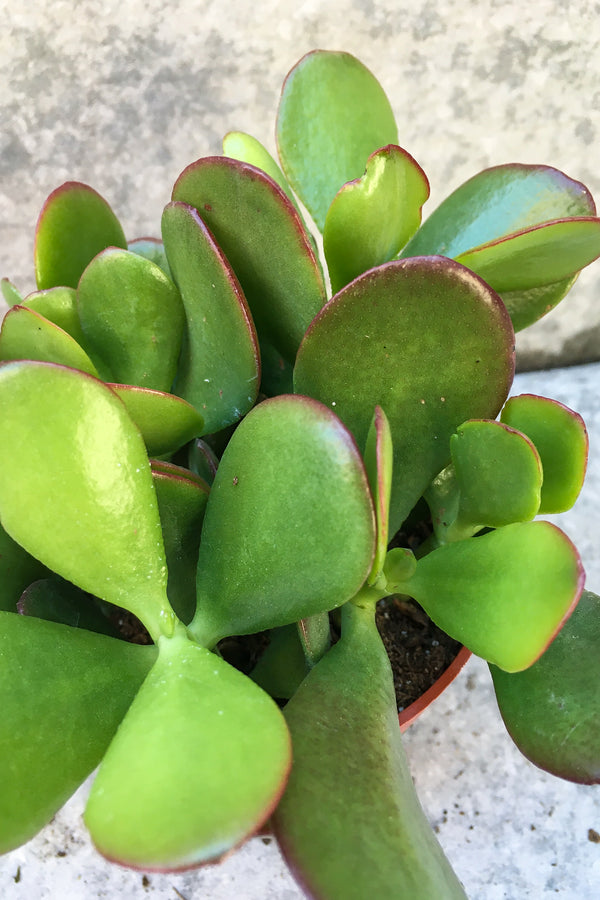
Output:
x=262 y=236
x=499 y=475
x=560 y=437
x=384 y=340
x=219 y=370
x=379 y=457
x=166 y=422
x=181 y=504
x=197 y=765
x=540 y=256
x=289 y=527
x=76 y=489
x=132 y=318
x=17 y=570
x=526 y=307
x=504 y=594
x=58 y=305
x=350 y=824
x=333 y=114
x=74 y=225
x=63 y=692
x=28 y=335
x=552 y=710
x=371 y=219
x=245 y=148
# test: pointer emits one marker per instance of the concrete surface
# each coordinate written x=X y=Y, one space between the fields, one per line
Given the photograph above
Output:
x=124 y=94
x=511 y=831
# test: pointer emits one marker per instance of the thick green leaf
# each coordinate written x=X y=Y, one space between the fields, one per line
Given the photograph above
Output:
x=552 y=710
x=282 y=667
x=181 y=503
x=289 y=527
x=166 y=422
x=10 y=292
x=76 y=490
x=379 y=458
x=504 y=594
x=245 y=148
x=152 y=249
x=333 y=114
x=74 y=225
x=63 y=692
x=58 y=305
x=28 y=335
x=540 y=256
x=371 y=219
x=197 y=765
x=132 y=318
x=315 y=637
x=219 y=371
x=499 y=476
x=384 y=340
x=202 y=460
x=17 y=570
x=266 y=243
x=57 y=600
x=350 y=824
x=560 y=437
x=498 y=202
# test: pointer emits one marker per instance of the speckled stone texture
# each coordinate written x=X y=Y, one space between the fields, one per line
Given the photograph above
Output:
x=124 y=94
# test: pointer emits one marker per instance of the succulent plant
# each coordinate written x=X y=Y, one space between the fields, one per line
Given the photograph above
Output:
x=195 y=431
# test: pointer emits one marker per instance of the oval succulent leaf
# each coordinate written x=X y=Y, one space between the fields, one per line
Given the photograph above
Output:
x=498 y=202
x=152 y=249
x=537 y=257
x=333 y=114
x=197 y=765
x=344 y=725
x=561 y=439
x=10 y=292
x=203 y=460
x=57 y=600
x=76 y=490
x=132 y=318
x=245 y=148
x=384 y=340
x=219 y=370
x=165 y=421
x=63 y=692
x=379 y=457
x=181 y=504
x=74 y=225
x=499 y=476
x=504 y=594
x=552 y=710
x=264 y=239
x=372 y=218
x=262 y=562
x=28 y=335
x=58 y=305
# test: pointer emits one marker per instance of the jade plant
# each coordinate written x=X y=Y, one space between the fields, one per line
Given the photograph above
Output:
x=218 y=433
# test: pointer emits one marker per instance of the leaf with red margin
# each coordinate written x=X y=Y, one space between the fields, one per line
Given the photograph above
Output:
x=166 y=421
x=349 y=823
x=63 y=692
x=28 y=335
x=261 y=234
x=560 y=437
x=197 y=765
x=384 y=339
x=552 y=710
x=379 y=456
x=74 y=225
x=505 y=594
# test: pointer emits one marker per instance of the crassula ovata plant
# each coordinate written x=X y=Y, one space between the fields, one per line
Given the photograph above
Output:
x=220 y=434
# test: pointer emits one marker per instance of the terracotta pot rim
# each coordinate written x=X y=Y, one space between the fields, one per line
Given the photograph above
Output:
x=412 y=712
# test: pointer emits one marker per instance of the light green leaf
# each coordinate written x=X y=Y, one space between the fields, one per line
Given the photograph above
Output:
x=166 y=422
x=28 y=335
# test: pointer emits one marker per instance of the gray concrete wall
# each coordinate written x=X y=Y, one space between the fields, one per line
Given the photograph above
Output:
x=123 y=95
